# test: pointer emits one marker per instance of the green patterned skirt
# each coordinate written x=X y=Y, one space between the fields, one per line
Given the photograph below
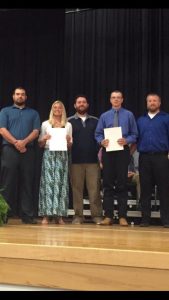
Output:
x=54 y=186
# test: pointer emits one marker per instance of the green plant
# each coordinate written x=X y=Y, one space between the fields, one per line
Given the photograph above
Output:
x=4 y=207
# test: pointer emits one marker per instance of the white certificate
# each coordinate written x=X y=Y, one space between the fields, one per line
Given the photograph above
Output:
x=113 y=134
x=58 y=141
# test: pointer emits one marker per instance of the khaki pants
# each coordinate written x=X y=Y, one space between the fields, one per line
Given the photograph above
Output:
x=79 y=173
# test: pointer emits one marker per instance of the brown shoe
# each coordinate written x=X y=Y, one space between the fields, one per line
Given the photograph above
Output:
x=77 y=220
x=123 y=222
x=106 y=221
x=97 y=220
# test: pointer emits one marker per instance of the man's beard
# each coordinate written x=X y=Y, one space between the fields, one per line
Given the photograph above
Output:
x=82 y=111
x=153 y=110
x=20 y=103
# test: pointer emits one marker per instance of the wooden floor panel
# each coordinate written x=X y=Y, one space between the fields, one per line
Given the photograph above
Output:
x=79 y=256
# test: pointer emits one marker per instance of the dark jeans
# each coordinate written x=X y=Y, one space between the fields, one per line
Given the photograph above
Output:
x=17 y=175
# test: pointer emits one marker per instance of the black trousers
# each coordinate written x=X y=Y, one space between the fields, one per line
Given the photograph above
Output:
x=154 y=169
x=16 y=179
x=115 y=170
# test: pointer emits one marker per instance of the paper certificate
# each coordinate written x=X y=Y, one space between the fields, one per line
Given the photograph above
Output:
x=58 y=141
x=113 y=134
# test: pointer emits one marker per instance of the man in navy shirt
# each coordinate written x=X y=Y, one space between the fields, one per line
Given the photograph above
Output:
x=85 y=166
x=19 y=127
x=115 y=163
x=153 y=146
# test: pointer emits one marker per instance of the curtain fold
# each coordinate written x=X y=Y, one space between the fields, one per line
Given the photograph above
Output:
x=107 y=49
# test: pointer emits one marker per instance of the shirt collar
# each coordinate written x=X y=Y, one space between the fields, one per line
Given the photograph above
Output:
x=77 y=117
x=14 y=106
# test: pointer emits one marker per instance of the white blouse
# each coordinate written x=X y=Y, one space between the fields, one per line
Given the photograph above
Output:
x=45 y=129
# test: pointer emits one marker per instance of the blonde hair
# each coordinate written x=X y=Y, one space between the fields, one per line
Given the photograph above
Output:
x=63 y=118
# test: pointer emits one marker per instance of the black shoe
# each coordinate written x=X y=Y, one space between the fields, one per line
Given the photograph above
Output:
x=29 y=221
x=6 y=220
x=144 y=224
x=166 y=225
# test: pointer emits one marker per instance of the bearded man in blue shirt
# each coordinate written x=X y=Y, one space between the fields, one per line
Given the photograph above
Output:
x=153 y=146
x=19 y=127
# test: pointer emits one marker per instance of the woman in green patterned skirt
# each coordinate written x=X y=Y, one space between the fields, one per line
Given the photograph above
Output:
x=54 y=186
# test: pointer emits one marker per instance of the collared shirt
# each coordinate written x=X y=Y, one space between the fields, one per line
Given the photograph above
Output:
x=84 y=148
x=126 y=121
x=19 y=122
x=153 y=133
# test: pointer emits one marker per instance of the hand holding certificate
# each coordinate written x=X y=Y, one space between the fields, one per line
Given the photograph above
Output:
x=58 y=141
x=113 y=135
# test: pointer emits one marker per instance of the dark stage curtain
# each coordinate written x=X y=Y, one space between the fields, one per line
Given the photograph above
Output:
x=108 y=49
x=31 y=55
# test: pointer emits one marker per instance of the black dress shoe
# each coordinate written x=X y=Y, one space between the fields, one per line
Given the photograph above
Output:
x=6 y=220
x=29 y=221
x=144 y=224
x=166 y=225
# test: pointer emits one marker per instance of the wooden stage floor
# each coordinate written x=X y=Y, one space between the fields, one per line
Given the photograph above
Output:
x=85 y=257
